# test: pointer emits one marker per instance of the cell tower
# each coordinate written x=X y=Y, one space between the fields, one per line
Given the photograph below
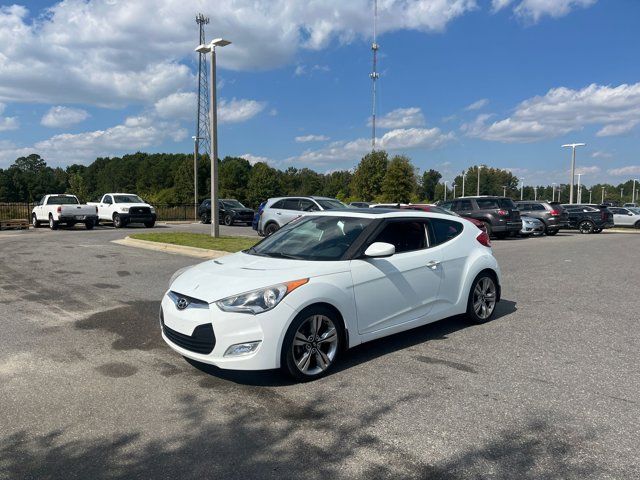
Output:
x=203 y=133
x=374 y=74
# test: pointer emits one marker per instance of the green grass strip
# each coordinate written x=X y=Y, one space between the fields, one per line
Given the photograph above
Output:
x=199 y=240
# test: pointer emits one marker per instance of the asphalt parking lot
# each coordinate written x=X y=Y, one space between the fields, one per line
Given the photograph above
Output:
x=549 y=389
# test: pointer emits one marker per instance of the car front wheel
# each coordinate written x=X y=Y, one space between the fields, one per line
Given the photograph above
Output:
x=34 y=221
x=117 y=221
x=228 y=220
x=482 y=298
x=586 y=227
x=311 y=344
x=271 y=229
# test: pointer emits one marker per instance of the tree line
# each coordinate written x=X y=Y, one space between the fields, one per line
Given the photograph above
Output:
x=162 y=178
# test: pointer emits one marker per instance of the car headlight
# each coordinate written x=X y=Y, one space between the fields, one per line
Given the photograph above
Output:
x=124 y=209
x=178 y=273
x=153 y=210
x=260 y=300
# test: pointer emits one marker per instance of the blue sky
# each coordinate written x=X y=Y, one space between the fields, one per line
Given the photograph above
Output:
x=498 y=82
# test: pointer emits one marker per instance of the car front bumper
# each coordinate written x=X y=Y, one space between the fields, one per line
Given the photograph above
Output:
x=182 y=329
x=138 y=218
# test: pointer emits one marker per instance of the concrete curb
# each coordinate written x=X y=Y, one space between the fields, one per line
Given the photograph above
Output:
x=621 y=230
x=171 y=248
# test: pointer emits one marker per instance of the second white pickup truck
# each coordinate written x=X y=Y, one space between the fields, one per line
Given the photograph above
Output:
x=124 y=208
x=57 y=209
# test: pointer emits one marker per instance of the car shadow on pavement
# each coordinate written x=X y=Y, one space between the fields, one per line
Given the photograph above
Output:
x=366 y=352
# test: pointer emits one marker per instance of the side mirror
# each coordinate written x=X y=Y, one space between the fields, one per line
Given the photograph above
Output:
x=379 y=250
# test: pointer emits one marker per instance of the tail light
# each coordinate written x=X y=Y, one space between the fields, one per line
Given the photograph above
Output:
x=59 y=210
x=484 y=239
x=503 y=213
x=555 y=213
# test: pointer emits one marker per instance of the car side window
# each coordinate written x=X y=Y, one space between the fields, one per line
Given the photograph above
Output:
x=108 y=200
x=444 y=230
x=446 y=205
x=538 y=207
x=291 y=204
x=405 y=235
x=308 y=206
x=486 y=204
x=278 y=204
x=463 y=205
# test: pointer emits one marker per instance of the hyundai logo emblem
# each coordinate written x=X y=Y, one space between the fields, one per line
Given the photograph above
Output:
x=182 y=303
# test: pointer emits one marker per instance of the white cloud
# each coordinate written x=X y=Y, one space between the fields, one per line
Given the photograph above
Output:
x=300 y=70
x=483 y=102
x=59 y=117
x=625 y=171
x=563 y=110
x=588 y=170
x=7 y=123
x=253 y=159
x=311 y=138
x=601 y=154
x=182 y=106
x=393 y=140
x=102 y=53
x=401 y=118
x=534 y=10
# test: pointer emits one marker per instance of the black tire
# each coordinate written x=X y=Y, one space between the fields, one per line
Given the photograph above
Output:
x=204 y=218
x=96 y=222
x=150 y=224
x=488 y=228
x=89 y=224
x=597 y=230
x=290 y=351
x=53 y=225
x=502 y=235
x=551 y=233
x=271 y=229
x=34 y=221
x=475 y=297
x=586 y=227
x=117 y=221
x=637 y=224
x=228 y=220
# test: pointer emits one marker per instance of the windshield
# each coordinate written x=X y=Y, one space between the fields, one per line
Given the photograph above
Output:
x=312 y=238
x=232 y=204
x=330 y=204
x=62 y=200
x=634 y=210
x=127 y=199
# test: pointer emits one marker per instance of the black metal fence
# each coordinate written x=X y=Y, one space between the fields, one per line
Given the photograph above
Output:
x=165 y=212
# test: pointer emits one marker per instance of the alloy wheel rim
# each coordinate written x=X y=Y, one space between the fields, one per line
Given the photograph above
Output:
x=315 y=345
x=484 y=298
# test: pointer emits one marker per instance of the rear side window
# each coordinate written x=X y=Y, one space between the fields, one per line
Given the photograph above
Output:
x=405 y=235
x=308 y=206
x=444 y=230
x=538 y=207
x=278 y=204
x=463 y=205
x=487 y=203
x=506 y=203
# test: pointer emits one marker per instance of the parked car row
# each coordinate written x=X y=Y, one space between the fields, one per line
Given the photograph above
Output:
x=119 y=208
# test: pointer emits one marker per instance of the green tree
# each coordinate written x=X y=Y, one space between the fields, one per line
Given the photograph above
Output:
x=399 y=184
x=367 y=180
x=78 y=187
x=264 y=182
x=234 y=177
x=430 y=179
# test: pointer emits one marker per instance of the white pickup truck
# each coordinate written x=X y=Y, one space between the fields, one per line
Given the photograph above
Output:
x=124 y=208
x=59 y=208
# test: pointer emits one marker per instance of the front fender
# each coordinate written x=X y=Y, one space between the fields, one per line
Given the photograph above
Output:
x=475 y=265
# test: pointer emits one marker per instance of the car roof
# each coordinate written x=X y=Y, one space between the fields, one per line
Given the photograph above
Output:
x=314 y=197
x=383 y=213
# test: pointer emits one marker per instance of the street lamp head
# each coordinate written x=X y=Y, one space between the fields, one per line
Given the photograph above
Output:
x=219 y=42
x=203 y=48
x=574 y=145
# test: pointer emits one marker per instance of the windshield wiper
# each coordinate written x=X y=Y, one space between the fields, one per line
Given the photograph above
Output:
x=283 y=255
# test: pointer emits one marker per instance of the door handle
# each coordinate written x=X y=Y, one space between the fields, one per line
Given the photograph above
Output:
x=278 y=213
x=433 y=264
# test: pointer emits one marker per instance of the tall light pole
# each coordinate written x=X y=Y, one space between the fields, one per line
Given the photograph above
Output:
x=573 y=166
x=464 y=175
x=603 y=188
x=213 y=114
x=445 y=190
x=504 y=190
x=553 y=192
x=535 y=194
x=521 y=188
x=478 y=185
x=196 y=141
x=633 y=192
x=579 y=188
x=454 y=190
x=590 y=195
x=621 y=193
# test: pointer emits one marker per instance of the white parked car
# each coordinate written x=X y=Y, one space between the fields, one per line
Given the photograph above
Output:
x=326 y=282
x=62 y=208
x=125 y=208
x=625 y=217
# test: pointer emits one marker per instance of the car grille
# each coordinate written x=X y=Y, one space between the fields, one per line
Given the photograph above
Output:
x=139 y=211
x=202 y=340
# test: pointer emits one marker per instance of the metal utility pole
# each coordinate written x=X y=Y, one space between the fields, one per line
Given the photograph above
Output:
x=504 y=190
x=454 y=190
x=203 y=132
x=579 y=188
x=213 y=113
x=374 y=74
x=621 y=193
x=535 y=194
x=633 y=192
x=522 y=188
x=195 y=177
x=445 y=190
x=603 y=188
x=553 y=192
x=464 y=175
x=478 y=186
x=573 y=166
x=590 y=196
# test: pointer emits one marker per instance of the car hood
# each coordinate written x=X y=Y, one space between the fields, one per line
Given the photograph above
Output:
x=238 y=273
x=241 y=210
x=129 y=205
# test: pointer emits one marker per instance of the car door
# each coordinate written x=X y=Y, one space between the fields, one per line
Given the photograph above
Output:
x=106 y=208
x=290 y=210
x=621 y=217
x=394 y=291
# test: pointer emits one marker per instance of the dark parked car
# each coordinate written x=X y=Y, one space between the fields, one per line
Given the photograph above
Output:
x=553 y=216
x=230 y=211
x=589 y=218
x=499 y=214
x=426 y=207
x=360 y=204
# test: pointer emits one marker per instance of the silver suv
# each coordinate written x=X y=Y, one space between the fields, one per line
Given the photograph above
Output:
x=279 y=211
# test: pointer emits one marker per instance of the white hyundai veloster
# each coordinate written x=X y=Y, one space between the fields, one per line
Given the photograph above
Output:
x=327 y=282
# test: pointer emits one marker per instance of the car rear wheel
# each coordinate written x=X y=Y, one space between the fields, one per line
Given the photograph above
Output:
x=89 y=224
x=228 y=220
x=117 y=221
x=271 y=229
x=487 y=227
x=482 y=298
x=53 y=225
x=586 y=226
x=311 y=344
x=150 y=223
x=204 y=218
